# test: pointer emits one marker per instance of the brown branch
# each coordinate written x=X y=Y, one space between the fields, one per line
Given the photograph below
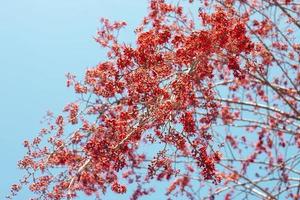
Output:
x=287 y=13
x=273 y=109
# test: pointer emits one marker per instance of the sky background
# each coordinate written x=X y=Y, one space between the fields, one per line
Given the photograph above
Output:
x=40 y=41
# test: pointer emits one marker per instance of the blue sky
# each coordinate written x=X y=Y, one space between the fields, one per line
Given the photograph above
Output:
x=42 y=40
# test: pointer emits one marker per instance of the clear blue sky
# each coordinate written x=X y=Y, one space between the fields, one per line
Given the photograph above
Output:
x=40 y=41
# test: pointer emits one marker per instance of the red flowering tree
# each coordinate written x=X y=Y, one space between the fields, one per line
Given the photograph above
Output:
x=206 y=99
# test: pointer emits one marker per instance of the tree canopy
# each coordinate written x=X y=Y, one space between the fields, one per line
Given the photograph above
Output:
x=205 y=99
